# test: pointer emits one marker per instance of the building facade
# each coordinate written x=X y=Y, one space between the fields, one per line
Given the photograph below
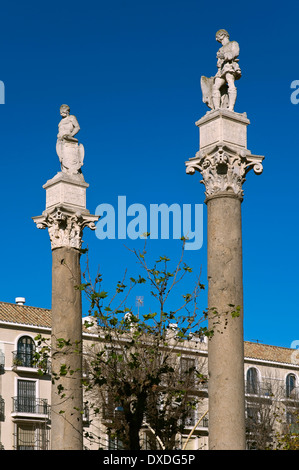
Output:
x=271 y=383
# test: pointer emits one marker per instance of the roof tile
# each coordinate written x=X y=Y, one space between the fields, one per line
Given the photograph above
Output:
x=270 y=353
x=24 y=314
x=36 y=316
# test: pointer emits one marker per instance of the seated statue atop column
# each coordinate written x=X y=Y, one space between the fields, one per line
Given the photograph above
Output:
x=219 y=92
x=70 y=153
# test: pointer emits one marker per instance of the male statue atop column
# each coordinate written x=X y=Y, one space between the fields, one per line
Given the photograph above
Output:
x=70 y=153
x=220 y=92
x=224 y=161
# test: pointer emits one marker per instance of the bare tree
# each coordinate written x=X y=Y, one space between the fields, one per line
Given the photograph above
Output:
x=135 y=375
x=267 y=408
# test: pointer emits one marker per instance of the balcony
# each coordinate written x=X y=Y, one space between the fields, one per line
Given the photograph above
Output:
x=25 y=361
x=292 y=394
x=203 y=386
x=291 y=428
x=85 y=416
x=2 y=409
x=2 y=362
x=30 y=408
x=260 y=389
x=192 y=420
x=111 y=412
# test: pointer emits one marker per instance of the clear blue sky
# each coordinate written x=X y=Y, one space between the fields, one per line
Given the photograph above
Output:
x=130 y=71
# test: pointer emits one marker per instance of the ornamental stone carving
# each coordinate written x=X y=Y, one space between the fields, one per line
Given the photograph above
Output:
x=65 y=228
x=223 y=169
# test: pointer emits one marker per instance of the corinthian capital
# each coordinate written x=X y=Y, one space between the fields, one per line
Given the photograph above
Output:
x=224 y=168
x=65 y=227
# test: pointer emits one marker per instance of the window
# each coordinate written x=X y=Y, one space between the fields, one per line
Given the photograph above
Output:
x=253 y=416
x=290 y=385
x=290 y=417
x=187 y=370
x=2 y=408
x=25 y=437
x=25 y=351
x=26 y=399
x=112 y=410
x=33 y=436
x=292 y=421
x=252 y=383
x=114 y=443
x=191 y=415
x=2 y=362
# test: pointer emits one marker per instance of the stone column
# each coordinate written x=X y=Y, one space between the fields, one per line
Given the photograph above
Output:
x=65 y=218
x=66 y=403
x=223 y=161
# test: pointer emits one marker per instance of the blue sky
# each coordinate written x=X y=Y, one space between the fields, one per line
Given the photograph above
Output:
x=130 y=72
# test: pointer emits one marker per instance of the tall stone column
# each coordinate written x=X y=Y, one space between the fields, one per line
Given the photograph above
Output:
x=66 y=403
x=65 y=218
x=223 y=160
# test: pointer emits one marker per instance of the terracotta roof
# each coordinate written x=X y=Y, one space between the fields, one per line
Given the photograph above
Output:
x=36 y=316
x=270 y=353
x=25 y=315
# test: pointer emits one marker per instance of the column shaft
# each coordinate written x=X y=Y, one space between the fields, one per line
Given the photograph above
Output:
x=66 y=406
x=226 y=347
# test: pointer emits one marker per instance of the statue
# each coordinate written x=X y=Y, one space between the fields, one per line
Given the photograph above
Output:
x=220 y=92
x=70 y=153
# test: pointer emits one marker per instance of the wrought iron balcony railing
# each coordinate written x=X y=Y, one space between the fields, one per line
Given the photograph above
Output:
x=30 y=405
x=2 y=408
x=21 y=359
x=292 y=394
x=192 y=420
x=262 y=389
x=268 y=389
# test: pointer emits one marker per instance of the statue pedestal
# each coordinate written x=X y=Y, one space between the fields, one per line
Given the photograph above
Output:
x=223 y=158
x=66 y=214
x=66 y=190
x=224 y=126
